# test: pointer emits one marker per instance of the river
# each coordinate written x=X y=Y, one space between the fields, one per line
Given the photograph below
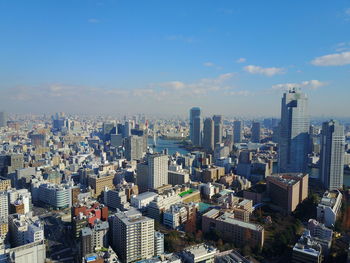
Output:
x=173 y=146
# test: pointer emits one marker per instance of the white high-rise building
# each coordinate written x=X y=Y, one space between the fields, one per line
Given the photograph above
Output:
x=153 y=173
x=332 y=155
x=133 y=236
x=294 y=132
x=158 y=170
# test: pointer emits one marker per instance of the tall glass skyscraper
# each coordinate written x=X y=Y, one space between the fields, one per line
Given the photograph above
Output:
x=195 y=126
x=332 y=155
x=208 y=135
x=294 y=132
x=237 y=131
x=217 y=129
x=256 y=133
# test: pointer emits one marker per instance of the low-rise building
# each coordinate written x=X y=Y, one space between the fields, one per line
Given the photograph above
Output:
x=34 y=252
x=158 y=243
x=178 y=177
x=116 y=199
x=4 y=183
x=24 y=230
x=231 y=256
x=99 y=182
x=162 y=202
x=141 y=201
x=232 y=229
x=199 y=253
x=56 y=196
x=288 y=190
x=328 y=208
x=306 y=250
x=212 y=174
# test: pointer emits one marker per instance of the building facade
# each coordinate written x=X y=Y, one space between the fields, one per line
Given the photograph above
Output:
x=294 y=132
x=332 y=155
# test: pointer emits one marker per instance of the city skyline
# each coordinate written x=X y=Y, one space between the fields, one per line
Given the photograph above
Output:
x=167 y=57
x=174 y=131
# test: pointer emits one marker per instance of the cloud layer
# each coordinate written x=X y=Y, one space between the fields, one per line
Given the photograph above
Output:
x=308 y=84
x=336 y=59
x=252 y=69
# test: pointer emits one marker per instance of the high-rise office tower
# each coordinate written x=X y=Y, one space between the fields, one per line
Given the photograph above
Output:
x=294 y=132
x=107 y=129
x=217 y=129
x=152 y=173
x=237 y=131
x=256 y=132
x=3 y=119
x=195 y=126
x=208 y=134
x=127 y=128
x=133 y=236
x=332 y=155
x=134 y=147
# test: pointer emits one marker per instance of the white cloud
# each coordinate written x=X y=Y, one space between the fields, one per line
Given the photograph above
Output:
x=208 y=64
x=241 y=60
x=336 y=59
x=308 y=84
x=93 y=20
x=201 y=87
x=252 y=69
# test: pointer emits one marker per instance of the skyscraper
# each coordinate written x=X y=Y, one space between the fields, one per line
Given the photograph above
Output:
x=294 y=132
x=217 y=129
x=237 y=131
x=256 y=132
x=195 y=126
x=3 y=119
x=127 y=129
x=208 y=134
x=134 y=147
x=332 y=155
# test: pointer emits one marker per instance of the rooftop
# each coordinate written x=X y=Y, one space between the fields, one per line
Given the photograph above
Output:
x=287 y=178
x=145 y=195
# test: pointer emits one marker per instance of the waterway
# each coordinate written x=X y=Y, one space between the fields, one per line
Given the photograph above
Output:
x=173 y=146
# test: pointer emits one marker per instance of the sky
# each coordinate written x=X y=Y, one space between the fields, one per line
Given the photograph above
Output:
x=164 y=56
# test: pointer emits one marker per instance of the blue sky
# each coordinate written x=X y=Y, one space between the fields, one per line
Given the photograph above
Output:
x=229 y=57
